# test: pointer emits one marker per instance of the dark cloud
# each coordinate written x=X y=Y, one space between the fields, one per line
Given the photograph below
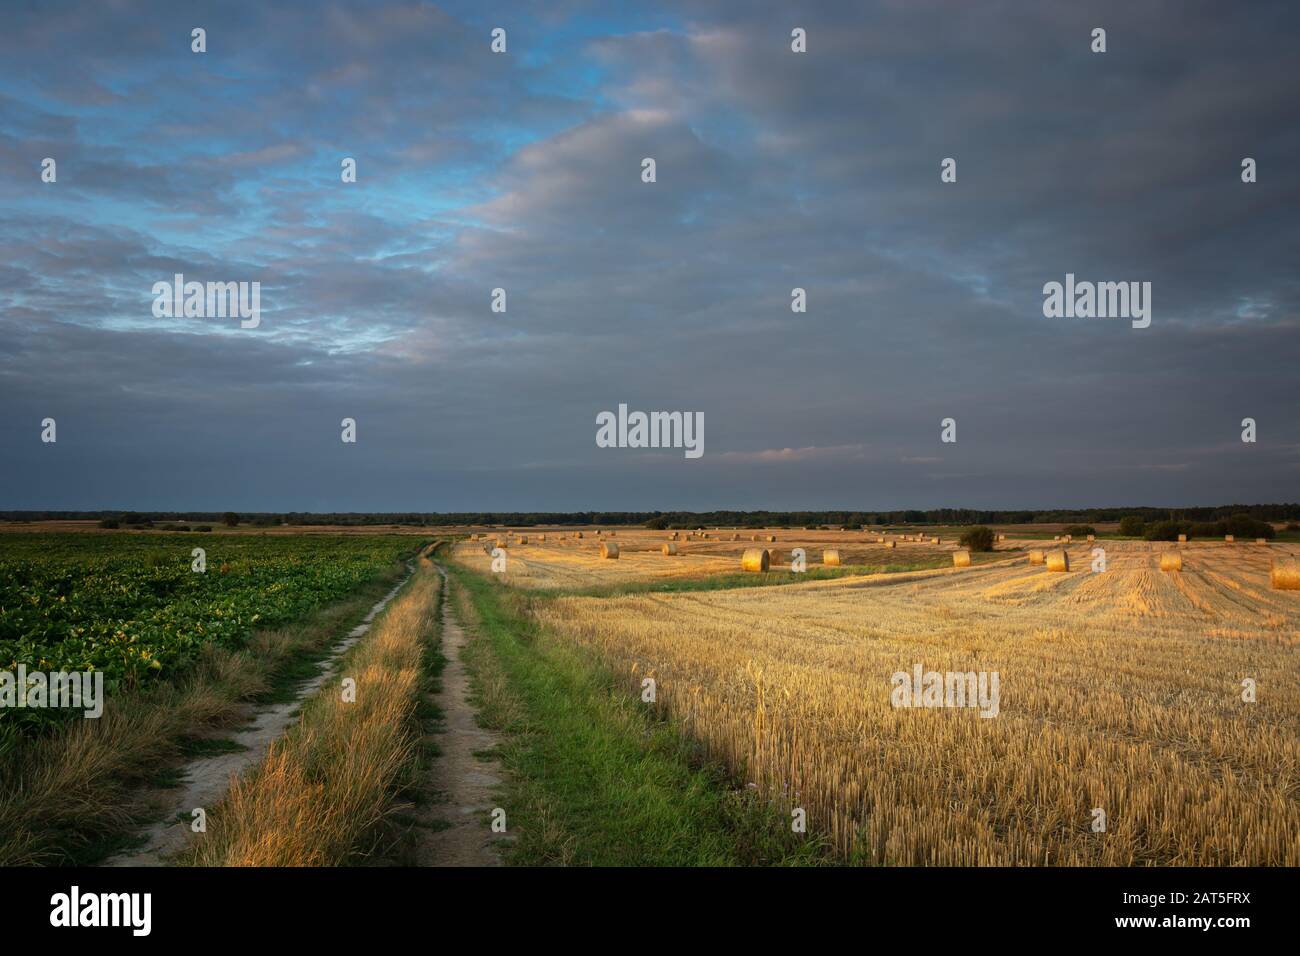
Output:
x=774 y=171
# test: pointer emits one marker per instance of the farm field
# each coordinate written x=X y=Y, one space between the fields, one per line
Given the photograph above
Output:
x=1120 y=692
x=563 y=561
x=130 y=604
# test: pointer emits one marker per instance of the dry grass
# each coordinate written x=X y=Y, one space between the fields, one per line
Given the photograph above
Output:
x=1119 y=690
x=83 y=777
x=324 y=788
x=62 y=794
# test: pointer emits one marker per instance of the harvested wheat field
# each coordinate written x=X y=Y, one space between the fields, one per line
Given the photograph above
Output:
x=576 y=563
x=1120 y=690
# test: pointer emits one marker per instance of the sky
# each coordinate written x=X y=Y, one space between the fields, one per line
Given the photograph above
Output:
x=523 y=171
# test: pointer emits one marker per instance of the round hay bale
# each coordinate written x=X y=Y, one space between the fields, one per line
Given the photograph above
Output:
x=934 y=540
x=1058 y=561
x=502 y=543
x=961 y=559
x=608 y=549
x=1056 y=538
x=831 y=558
x=753 y=537
x=773 y=557
x=1182 y=539
x=577 y=534
x=541 y=537
x=1229 y=538
x=523 y=539
x=1092 y=538
x=670 y=548
x=771 y=537
x=1285 y=574
x=891 y=544
x=754 y=559
x=1069 y=538
x=1261 y=540
x=1171 y=561
x=613 y=534
x=735 y=537
x=1037 y=557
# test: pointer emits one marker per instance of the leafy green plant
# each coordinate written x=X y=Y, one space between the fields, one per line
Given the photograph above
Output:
x=131 y=606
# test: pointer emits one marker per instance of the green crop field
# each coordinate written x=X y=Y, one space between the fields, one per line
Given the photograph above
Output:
x=132 y=606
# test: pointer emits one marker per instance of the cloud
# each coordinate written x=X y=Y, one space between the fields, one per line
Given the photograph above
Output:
x=795 y=455
x=522 y=172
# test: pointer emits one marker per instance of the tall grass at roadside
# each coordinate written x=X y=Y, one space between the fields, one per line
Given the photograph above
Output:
x=320 y=794
x=72 y=796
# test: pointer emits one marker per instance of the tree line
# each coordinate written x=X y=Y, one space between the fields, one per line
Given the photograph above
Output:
x=685 y=519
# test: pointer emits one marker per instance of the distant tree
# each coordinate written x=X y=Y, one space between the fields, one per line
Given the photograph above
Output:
x=1080 y=530
x=1167 y=530
x=110 y=523
x=230 y=519
x=978 y=538
x=1244 y=526
x=1131 y=526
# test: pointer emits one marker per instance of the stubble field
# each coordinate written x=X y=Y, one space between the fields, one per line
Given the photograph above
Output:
x=559 y=560
x=1121 y=692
